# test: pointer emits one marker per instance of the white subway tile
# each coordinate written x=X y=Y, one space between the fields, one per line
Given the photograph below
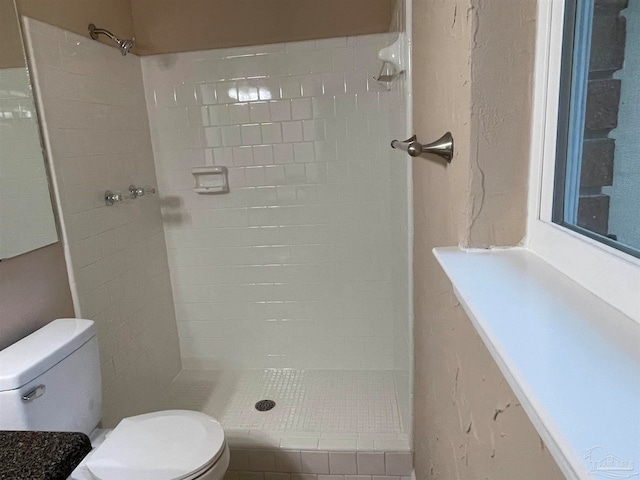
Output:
x=263 y=155
x=316 y=172
x=311 y=85
x=276 y=65
x=295 y=174
x=212 y=137
x=242 y=157
x=219 y=115
x=367 y=103
x=315 y=462
x=290 y=87
x=345 y=105
x=324 y=106
x=198 y=116
x=231 y=136
x=262 y=460
x=239 y=113
x=313 y=129
x=399 y=463
x=292 y=132
x=185 y=95
x=325 y=150
x=283 y=153
x=288 y=461
x=259 y=112
x=274 y=175
x=343 y=59
x=303 y=152
x=268 y=88
x=280 y=110
x=256 y=66
x=370 y=463
x=301 y=109
x=358 y=81
x=320 y=61
x=340 y=463
x=223 y=156
x=271 y=133
x=254 y=176
x=251 y=134
x=165 y=96
x=333 y=83
x=357 y=127
x=226 y=92
x=336 y=128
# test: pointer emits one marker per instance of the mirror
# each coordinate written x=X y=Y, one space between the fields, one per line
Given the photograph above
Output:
x=27 y=221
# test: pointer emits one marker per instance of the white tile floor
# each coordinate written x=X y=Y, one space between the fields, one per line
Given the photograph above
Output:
x=315 y=409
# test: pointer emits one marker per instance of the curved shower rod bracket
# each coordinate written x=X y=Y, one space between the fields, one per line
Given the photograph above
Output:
x=123 y=45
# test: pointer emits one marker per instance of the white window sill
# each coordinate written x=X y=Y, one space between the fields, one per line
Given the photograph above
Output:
x=572 y=360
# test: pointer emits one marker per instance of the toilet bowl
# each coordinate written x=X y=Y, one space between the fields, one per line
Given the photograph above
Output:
x=50 y=381
x=166 y=445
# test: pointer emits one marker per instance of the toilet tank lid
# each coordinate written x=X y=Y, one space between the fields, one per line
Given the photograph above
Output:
x=36 y=353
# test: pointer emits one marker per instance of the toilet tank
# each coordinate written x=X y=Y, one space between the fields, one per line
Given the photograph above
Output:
x=50 y=380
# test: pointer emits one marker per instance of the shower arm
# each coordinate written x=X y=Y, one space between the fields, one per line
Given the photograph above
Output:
x=94 y=32
x=124 y=45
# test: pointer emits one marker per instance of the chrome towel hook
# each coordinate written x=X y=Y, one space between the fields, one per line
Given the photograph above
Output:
x=443 y=147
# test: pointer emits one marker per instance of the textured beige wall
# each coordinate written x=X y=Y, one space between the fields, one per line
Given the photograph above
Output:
x=501 y=87
x=11 y=55
x=472 y=75
x=76 y=15
x=34 y=290
x=165 y=26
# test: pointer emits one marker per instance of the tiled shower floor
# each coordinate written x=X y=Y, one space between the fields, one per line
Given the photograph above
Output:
x=315 y=409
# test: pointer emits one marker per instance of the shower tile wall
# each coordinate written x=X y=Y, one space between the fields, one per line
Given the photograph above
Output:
x=92 y=100
x=294 y=267
x=401 y=180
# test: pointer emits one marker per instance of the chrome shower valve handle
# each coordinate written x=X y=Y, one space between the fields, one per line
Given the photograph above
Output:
x=111 y=198
x=135 y=192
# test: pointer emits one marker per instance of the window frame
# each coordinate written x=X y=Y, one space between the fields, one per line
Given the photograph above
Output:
x=611 y=274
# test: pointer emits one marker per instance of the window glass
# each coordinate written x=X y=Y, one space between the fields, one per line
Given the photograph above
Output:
x=597 y=188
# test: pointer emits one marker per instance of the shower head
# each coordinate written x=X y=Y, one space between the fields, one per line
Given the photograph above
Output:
x=124 y=45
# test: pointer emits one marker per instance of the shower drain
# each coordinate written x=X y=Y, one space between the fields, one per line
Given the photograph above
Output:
x=264 y=405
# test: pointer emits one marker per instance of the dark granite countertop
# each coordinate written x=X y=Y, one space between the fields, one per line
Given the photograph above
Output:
x=41 y=455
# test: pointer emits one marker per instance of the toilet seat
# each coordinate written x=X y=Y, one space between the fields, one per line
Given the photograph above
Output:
x=167 y=445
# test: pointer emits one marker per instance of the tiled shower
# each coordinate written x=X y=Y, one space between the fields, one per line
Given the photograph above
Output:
x=295 y=267
x=292 y=286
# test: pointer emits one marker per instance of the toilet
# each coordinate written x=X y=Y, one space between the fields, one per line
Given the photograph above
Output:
x=50 y=381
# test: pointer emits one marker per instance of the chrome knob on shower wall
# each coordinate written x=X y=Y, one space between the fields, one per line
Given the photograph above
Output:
x=135 y=192
x=443 y=147
x=110 y=198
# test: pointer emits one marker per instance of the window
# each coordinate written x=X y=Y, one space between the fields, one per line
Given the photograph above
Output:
x=597 y=177
x=604 y=261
